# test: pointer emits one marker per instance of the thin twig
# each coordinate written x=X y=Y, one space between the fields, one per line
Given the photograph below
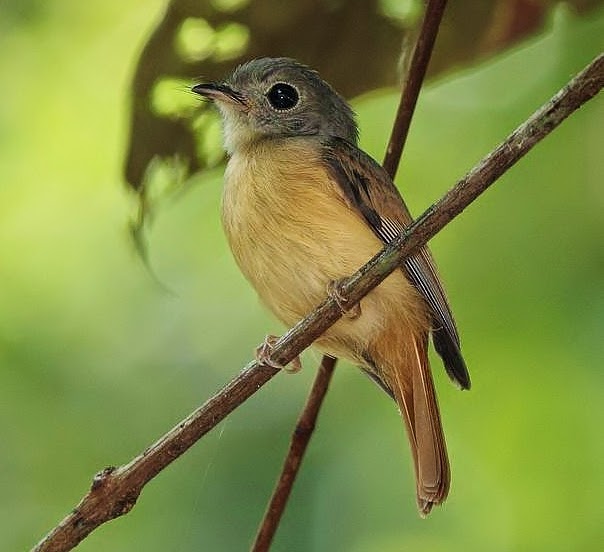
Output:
x=295 y=454
x=412 y=82
x=291 y=466
x=115 y=490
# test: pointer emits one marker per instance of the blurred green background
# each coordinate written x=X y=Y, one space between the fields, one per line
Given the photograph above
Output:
x=96 y=361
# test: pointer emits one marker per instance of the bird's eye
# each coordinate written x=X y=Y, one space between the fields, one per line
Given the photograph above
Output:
x=282 y=96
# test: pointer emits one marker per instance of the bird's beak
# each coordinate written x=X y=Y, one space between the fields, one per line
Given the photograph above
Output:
x=221 y=93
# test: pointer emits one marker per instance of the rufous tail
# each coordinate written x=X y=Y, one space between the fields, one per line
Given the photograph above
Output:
x=410 y=381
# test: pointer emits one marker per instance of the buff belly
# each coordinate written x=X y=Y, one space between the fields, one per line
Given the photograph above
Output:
x=292 y=233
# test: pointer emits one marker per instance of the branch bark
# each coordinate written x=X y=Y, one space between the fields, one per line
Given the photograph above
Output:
x=115 y=490
x=412 y=83
x=295 y=454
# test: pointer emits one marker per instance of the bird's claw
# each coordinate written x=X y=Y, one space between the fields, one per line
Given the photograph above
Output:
x=334 y=290
x=263 y=357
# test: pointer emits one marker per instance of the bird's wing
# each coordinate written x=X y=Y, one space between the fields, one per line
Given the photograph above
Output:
x=368 y=188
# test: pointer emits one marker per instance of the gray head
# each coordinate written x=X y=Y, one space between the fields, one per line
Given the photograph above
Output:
x=278 y=97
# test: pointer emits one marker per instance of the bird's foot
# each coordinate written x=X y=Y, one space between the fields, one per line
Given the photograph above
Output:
x=334 y=290
x=263 y=353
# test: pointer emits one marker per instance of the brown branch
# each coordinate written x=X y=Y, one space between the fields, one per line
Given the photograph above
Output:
x=115 y=490
x=295 y=454
x=291 y=466
x=413 y=83
x=416 y=71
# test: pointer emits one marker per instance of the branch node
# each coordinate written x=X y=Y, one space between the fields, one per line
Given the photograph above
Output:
x=101 y=478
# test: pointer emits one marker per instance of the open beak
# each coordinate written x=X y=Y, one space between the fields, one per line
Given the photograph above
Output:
x=219 y=92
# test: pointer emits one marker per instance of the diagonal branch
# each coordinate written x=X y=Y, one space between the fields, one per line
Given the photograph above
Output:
x=412 y=82
x=115 y=490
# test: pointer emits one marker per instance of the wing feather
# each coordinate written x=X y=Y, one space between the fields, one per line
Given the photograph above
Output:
x=369 y=189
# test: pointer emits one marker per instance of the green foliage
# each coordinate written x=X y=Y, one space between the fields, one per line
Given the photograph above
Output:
x=96 y=360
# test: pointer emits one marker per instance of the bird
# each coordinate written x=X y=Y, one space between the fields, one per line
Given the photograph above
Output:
x=303 y=207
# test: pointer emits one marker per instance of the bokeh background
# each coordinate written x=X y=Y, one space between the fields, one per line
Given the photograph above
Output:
x=97 y=359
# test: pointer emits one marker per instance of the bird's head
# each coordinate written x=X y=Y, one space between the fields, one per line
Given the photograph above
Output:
x=278 y=97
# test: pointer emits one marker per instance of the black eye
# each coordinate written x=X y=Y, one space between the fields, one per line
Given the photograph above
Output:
x=282 y=96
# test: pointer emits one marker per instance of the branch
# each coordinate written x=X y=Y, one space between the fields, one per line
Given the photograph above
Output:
x=295 y=454
x=115 y=490
x=412 y=84
x=415 y=73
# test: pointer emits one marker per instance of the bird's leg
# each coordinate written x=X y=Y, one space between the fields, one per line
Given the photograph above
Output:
x=263 y=353
x=334 y=290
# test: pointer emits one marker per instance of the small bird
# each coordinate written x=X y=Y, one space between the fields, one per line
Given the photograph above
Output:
x=302 y=208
